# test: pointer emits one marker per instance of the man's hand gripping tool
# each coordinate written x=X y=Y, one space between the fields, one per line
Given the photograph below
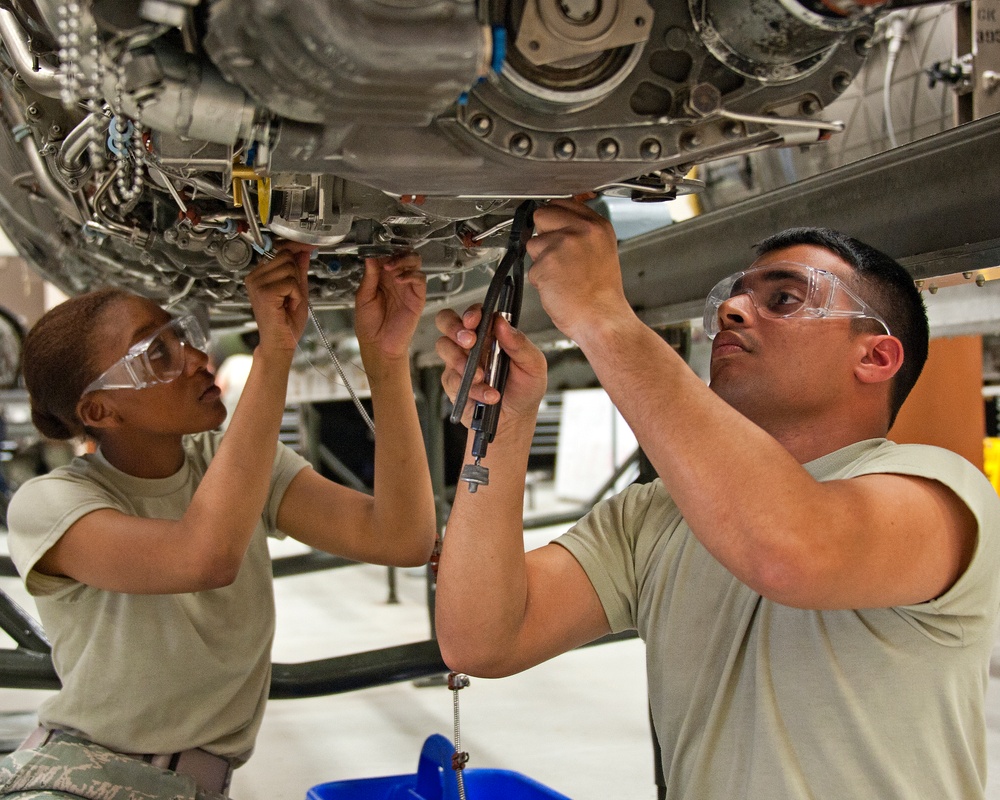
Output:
x=502 y=297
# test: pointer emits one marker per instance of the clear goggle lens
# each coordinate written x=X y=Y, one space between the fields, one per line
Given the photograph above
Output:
x=785 y=289
x=159 y=358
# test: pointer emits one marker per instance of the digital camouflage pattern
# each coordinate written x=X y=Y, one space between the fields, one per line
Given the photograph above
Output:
x=70 y=768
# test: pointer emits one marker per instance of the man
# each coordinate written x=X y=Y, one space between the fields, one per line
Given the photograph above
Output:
x=818 y=604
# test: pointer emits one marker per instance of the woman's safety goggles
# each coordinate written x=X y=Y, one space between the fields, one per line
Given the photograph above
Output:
x=785 y=289
x=159 y=358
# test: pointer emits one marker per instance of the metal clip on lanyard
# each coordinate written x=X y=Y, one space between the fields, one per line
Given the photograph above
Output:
x=502 y=297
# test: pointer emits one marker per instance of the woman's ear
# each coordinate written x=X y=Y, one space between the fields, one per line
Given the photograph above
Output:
x=881 y=359
x=95 y=412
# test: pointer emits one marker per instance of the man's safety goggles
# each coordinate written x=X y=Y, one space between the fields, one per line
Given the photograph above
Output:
x=159 y=358
x=785 y=289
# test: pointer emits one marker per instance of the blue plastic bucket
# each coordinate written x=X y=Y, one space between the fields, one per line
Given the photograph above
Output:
x=435 y=780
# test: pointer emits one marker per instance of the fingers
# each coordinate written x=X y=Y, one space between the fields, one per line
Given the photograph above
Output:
x=561 y=213
x=453 y=349
x=462 y=329
x=294 y=247
x=404 y=269
x=458 y=337
x=520 y=348
x=402 y=263
x=281 y=284
x=286 y=266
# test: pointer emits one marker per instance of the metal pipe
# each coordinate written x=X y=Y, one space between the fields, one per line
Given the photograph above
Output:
x=251 y=216
x=169 y=186
x=75 y=144
x=46 y=183
x=217 y=164
x=789 y=122
x=112 y=226
x=40 y=77
x=356 y=671
x=21 y=627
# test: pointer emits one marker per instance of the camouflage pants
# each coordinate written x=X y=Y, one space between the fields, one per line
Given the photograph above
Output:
x=69 y=768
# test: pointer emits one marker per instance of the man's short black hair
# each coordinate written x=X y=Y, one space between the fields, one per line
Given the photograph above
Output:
x=885 y=286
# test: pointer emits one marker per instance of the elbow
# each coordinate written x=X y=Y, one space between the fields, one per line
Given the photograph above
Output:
x=216 y=572
x=786 y=576
x=414 y=551
x=467 y=648
x=465 y=657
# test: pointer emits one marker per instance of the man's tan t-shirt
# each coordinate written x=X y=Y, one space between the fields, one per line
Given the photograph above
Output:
x=753 y=699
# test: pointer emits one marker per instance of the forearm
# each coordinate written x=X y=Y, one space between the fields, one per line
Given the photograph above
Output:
x=482 y=592
x=228 y=503
x=739 y=489
x=403 y=514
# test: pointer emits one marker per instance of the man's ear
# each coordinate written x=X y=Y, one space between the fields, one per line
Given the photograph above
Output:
x=95 y=412
x=881 y=359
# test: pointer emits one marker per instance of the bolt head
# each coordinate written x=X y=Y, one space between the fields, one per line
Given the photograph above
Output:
x=650 y=149
x=520 y=144
x=690 y=141
x=564 y=149
x=481 y=124
x=607 y=150
x=705 y=99
x=732 y=130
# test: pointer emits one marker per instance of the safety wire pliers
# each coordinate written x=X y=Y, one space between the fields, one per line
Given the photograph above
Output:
x=502 y=297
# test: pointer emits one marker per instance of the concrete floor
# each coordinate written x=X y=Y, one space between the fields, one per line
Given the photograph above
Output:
x=577 y=724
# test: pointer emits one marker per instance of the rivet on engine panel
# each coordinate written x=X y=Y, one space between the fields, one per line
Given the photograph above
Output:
x=564 y=149
x=481 y=124
x=690 y=141
x=732 y=130
x=650 y=149
x=520 y=144
x=607 y=150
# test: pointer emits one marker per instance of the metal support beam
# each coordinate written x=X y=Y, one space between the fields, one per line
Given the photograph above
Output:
x=931 y=204
x=356 y=671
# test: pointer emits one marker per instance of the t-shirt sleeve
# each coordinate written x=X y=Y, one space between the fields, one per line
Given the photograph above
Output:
x=604 y=543
x=41 y=511
x=287 y=464
x=967 y=610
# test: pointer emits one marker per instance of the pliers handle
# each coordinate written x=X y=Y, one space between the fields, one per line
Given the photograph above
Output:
x=504 y=294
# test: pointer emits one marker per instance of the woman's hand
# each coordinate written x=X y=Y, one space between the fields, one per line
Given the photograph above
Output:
x=279 y=296
x=526 y=378
x=388 y=304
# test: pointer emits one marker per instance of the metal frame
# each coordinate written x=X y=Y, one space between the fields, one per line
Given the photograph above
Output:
x=931 y=204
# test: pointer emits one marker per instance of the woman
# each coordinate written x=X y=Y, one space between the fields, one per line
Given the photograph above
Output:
x=149 y=558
